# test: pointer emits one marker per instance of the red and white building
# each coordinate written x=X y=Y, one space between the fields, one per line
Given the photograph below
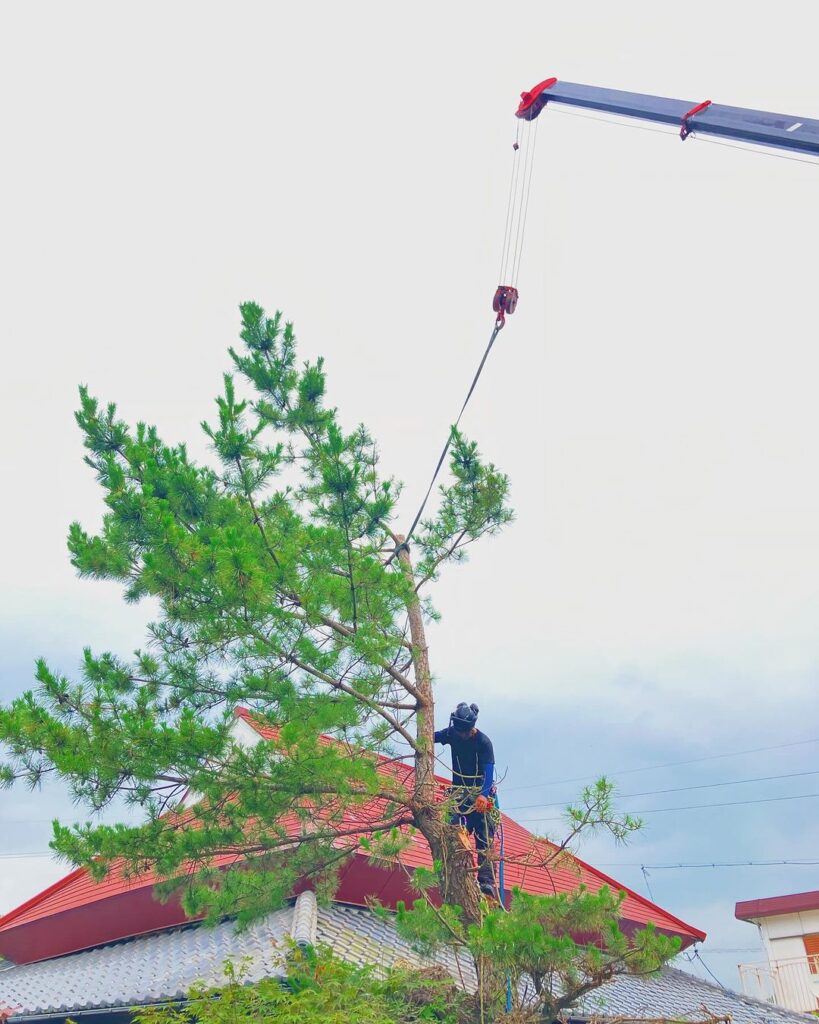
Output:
x=789 y=929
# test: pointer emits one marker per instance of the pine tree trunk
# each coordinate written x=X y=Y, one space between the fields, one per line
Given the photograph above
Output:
x=458 y=884
x=425 y=714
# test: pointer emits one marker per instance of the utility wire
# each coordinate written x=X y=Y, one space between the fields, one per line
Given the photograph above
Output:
x=695 y=807
x=668 y=764
x=715 y=785
x=598 y=864
x=24 y=856
x=734 y=949
x=722 y=864
x=705 y=965
x=558 y=803
x=681 y=789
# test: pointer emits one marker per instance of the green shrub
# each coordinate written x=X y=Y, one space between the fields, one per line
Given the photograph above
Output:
x=321 y=989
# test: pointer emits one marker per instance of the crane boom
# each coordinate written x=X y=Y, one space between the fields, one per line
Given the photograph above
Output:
x=782 y=131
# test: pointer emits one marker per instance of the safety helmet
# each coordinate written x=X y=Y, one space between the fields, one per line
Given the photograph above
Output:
x=464 y=717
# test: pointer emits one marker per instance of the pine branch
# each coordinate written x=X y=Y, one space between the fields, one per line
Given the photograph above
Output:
x=367 y=701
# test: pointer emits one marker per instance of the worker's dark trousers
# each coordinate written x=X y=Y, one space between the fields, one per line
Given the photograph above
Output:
x=482 y=828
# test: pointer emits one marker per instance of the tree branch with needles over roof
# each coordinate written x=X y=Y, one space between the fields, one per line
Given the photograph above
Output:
x=266 y=566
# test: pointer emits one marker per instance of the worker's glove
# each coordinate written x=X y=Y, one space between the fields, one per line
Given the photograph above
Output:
x=484 y=804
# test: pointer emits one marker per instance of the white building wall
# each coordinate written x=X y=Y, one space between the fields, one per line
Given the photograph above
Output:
x=243 y=735
x=795 y=985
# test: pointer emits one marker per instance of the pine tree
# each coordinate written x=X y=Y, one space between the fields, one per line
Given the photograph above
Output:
x=283 y=588
x=279 y=590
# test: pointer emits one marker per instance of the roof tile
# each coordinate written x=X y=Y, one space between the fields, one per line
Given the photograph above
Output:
x=162 y=967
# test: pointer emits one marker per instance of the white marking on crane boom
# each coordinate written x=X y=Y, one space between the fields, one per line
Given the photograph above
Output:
x=793 y=127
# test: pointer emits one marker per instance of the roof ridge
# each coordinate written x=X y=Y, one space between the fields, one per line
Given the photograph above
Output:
x=305 y=919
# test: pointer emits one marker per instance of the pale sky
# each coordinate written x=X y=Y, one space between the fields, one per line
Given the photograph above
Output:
x=653 y=398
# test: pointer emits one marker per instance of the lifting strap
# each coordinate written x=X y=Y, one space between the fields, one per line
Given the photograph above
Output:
x=404 y=545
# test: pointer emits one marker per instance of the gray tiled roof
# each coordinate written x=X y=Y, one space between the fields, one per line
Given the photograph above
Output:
x=361 y=937
x=152 y=968
x=676 y=993
x=164 y=965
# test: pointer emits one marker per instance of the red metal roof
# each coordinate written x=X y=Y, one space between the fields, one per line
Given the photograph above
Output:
x=751 y=910
x=77 y=912
x=521 y=845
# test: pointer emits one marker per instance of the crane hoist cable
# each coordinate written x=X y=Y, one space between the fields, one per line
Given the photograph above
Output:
x=404 y=545
x=506 y=295
x=517 y=209
x=703 y=120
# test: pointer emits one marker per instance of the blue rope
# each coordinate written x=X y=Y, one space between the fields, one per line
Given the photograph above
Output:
x=502 y=901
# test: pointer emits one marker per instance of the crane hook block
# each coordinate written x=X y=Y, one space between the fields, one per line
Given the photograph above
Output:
x=505 y=301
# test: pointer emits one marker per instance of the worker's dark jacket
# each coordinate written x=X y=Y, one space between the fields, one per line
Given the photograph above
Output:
x=470 y=757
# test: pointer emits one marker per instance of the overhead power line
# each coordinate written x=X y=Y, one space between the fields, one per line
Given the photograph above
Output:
x=696 y=955
x=719 y=864
x=667 y=764
x=681 y=789
x=735 y=949
x=624 y=796
x=558 y=803
x=23 y=856
x=694 y=807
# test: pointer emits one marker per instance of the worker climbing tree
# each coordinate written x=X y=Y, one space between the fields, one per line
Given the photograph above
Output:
x=473 y=771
